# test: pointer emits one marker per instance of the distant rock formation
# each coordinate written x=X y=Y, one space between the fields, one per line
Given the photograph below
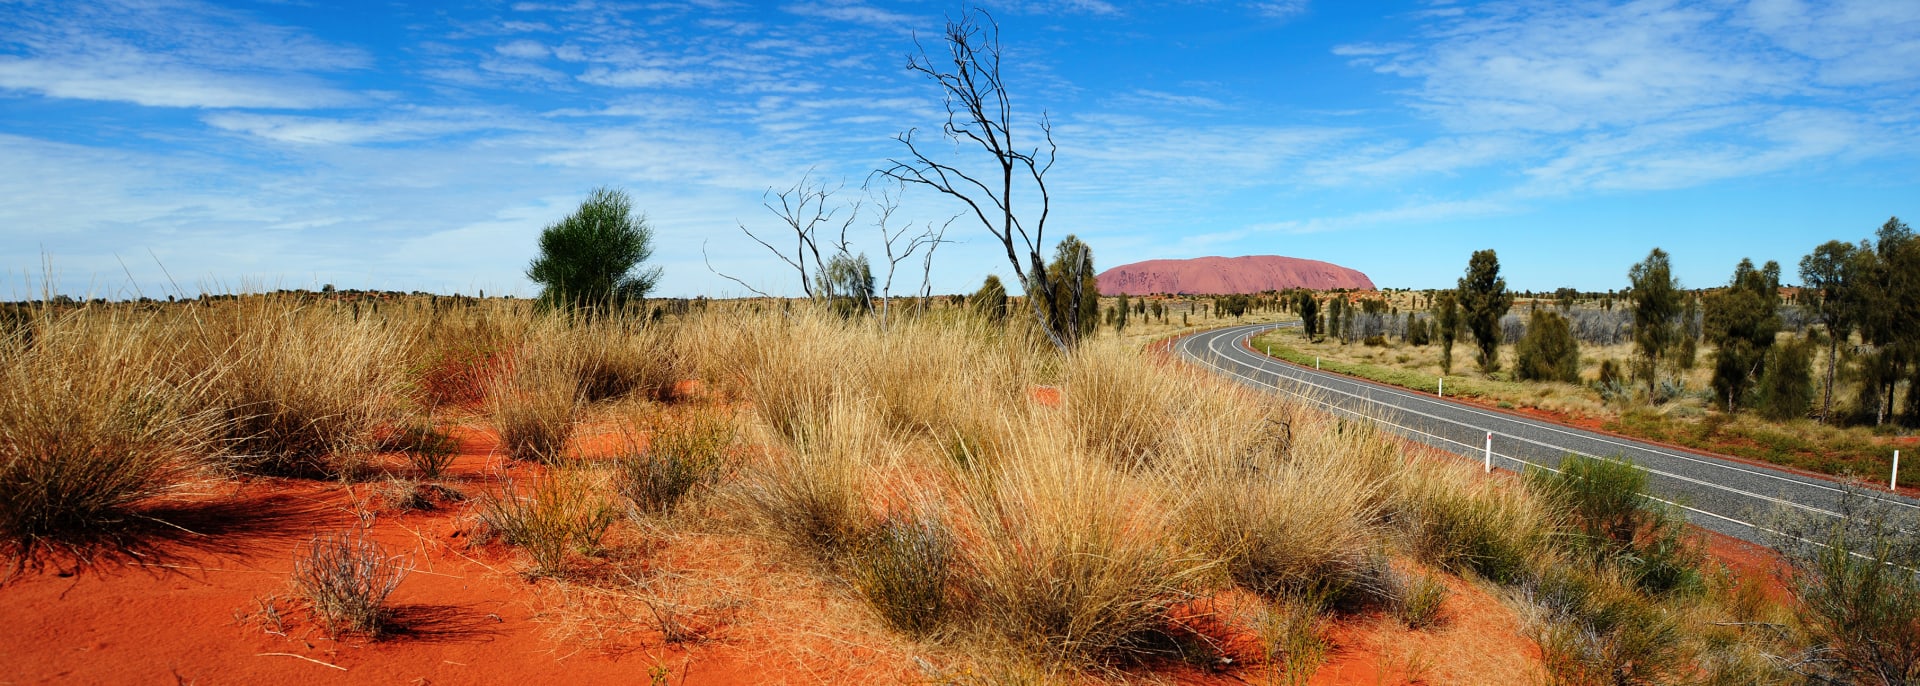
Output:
x=1225 y=275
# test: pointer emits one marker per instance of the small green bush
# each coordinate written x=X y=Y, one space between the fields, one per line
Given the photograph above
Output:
x=1548 y=351
x=1786 y=386
x=680 y=456
x=1616 y=524
x=561 y=513
x=905 y=567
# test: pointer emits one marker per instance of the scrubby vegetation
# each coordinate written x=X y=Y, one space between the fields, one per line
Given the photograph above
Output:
x=918 y=468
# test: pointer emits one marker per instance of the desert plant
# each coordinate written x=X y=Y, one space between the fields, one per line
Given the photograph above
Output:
x=346 y=579
x=1600 y=633
x=1786 y=386
x=1420 y=603
x=1484 y=299
x=1462 y=523
x=312 y=390
x=428 y=449
x=1855 y=589
x=814 y=495
x=1617 y=524
x=557 y=514
x=1293 y=641
x=588 y=259
x=905 y=568
x=679 y=457
x=1548 y=351
x=89 y=430
x=534 y=407
x=1059 y=570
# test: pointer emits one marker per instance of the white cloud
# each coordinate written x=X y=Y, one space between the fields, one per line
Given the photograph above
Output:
x=416 y=125
x=1281 y=9
x=524 y=49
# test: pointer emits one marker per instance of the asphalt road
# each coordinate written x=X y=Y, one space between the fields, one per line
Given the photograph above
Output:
x=1734 y=498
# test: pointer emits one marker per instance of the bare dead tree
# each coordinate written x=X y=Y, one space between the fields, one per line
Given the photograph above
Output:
x=900 y=246
x=979 y=112
x=804 y=210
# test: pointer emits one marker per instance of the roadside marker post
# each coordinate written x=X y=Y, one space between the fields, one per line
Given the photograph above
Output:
x=1442 y=393
x=1316 y=362
x=1489 y=452
x=1893 y=484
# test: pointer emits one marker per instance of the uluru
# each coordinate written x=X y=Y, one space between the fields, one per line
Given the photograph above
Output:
x=1225 y=275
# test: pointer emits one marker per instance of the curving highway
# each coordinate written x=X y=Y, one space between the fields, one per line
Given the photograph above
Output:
x=1733 y=498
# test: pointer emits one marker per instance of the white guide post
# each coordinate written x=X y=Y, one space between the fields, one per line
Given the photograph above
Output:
x=1893 y=484
x=1489 y=452
x=1443 y=388
x=1316 y=362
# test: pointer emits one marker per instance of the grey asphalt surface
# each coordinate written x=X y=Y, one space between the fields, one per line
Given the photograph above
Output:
x=1733 y=498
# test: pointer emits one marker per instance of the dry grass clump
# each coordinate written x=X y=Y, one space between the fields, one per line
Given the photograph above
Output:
x=1119 y=407
x=1463 y=521
x=301 y=389
x=1286 y=529
x=91 y=425
x=427 y=448
x=1074 y=559
x=815 y=494
x=346 y=579
x=907 y=567
x=535 y=407
x=566 y=511
x=682 y=454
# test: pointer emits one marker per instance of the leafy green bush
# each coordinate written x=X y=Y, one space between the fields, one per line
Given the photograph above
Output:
x=1857 y=594
x=904 y=567
x=1616 y=524
x=560 y=513
x=1548 y=351
x=1786 y=386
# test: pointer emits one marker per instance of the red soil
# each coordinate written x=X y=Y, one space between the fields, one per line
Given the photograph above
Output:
x=177 y=610
x=1223 y=275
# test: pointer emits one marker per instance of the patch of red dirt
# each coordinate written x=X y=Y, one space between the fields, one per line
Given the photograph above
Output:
x=1752 y=563
x=185 y=608
x=1045 y=395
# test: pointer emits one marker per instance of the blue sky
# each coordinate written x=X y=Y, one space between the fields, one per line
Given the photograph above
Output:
x=382 y=145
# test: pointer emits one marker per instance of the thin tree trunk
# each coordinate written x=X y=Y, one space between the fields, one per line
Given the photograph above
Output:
x=1833 y=360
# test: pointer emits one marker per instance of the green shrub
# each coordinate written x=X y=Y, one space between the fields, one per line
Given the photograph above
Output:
x=1616 y=524
x=1548 y=351
x=680 y=456
x=1786 y=386
x=1420 y=601
x=1856 y=592
x=561 y=513
x=904 y=567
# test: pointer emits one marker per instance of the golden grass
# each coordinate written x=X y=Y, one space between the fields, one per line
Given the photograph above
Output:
x=913 y=470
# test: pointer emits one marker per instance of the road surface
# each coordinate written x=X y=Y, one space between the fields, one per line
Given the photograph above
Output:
x=1734 y=498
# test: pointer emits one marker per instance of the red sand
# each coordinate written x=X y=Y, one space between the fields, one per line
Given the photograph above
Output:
x=1224 y=275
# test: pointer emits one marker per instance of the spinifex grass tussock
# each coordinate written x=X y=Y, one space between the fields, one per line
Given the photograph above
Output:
x=301 y=388
x=1461 y=520
x=345 y=579
x=1421 y=599
x=427 y=448
x=906 y=567
x=1285 y=528
x=564 y=512
x=91 y=424
x=683 y=451
x=535 y=405
x=815 y=493
x=1074 y=559
x=1597 y=630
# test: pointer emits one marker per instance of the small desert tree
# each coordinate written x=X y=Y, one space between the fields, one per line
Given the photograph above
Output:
x=1309 y=309
x=1829 y=274
x=1548 y=351
x=1073 y=305
x=1656 y=301
x=990 y=301
x=1120 y=314
x=1742 y=320
x=1446 y=327
x=591 y=259
x=1786 y=388
x=1484 y=299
